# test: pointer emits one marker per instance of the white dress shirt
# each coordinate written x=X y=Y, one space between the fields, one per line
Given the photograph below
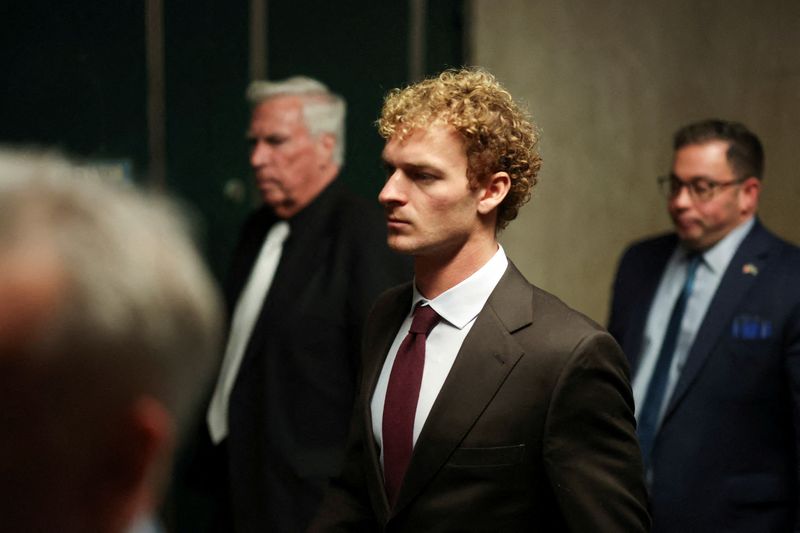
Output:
x=458 y=307
x=248 y=307
x=709 y=273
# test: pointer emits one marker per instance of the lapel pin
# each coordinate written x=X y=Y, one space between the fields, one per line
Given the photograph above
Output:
x=750 y=268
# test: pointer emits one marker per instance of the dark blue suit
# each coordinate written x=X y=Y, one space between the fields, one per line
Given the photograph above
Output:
x=726 y=455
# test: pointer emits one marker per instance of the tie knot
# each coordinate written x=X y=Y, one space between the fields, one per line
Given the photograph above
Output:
x=425 y=318
x=693 y=261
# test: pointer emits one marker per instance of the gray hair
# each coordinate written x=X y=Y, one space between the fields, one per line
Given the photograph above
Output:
x=139 y=313
x=323 y=110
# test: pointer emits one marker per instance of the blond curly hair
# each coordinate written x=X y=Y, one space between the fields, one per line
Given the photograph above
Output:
x=498 y=135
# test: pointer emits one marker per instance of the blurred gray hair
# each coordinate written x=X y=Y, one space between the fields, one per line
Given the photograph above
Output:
x=323 y=110
x=139 y=313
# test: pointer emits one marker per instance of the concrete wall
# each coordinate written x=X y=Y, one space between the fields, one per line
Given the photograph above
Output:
x=608 y=83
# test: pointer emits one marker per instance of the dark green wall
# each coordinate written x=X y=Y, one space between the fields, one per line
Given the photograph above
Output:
x=206 y=55
x=72 y=75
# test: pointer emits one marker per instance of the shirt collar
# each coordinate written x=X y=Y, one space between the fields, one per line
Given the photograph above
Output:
x=461 y=303
x=719 y=256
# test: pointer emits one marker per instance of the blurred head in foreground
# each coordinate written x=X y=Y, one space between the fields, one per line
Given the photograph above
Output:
x=108 y=328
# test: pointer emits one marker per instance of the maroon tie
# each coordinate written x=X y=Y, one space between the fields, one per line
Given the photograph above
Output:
x=400 y=406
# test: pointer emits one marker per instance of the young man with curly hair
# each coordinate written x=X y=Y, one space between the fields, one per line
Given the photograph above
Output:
x=486 y=403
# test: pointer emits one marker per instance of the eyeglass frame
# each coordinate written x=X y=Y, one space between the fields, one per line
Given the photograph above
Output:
x=670 y=180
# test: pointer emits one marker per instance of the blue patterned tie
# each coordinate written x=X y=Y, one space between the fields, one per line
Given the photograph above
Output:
x=654 y=399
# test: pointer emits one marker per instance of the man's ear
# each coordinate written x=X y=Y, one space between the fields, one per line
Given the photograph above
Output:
x=493 y=192
x=145 y=449
x=326 y=144
x=748 y=195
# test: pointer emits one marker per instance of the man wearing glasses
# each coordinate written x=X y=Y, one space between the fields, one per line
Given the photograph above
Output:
x=709 y=317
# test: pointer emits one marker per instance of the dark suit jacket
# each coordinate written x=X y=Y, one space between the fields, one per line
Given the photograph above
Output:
x=291 y=404
x=532 y=430
x=725 y=458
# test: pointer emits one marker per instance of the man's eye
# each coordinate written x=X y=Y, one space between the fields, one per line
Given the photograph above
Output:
x=701 y=186
x=275 y=141
x=424 y=176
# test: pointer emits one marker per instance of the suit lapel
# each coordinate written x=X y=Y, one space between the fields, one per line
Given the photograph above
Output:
x=634 y=336
x=734 y=286
x=487 y=356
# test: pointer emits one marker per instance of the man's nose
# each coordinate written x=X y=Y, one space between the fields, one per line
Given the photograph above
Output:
x=260 y=154
x=681 y=199
x=393 y=190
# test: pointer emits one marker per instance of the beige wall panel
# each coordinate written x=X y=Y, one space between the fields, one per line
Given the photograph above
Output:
x=608 y=83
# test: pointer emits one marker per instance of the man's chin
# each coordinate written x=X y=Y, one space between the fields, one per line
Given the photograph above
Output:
x=399 y=245
x=690 y=240
x=688 y=232
x=279 y=204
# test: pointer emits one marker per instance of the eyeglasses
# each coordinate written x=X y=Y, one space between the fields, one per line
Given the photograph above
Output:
x=700 y=189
